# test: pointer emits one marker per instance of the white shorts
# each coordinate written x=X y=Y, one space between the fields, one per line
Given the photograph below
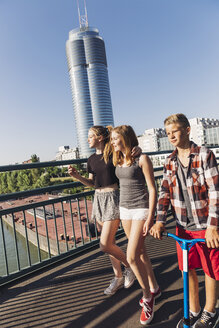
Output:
x=133 y=214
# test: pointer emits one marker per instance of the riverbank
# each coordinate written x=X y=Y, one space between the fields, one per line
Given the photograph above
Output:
x=65 y=223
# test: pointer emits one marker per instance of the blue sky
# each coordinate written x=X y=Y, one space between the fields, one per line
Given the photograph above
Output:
x=163 y=58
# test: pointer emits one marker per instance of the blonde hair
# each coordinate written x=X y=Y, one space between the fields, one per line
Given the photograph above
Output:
x=177 y=118
x=129 y=141
x=100 y=130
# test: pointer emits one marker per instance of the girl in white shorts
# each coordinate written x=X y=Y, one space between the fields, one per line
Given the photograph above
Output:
x=137 y=208
x=105 y=209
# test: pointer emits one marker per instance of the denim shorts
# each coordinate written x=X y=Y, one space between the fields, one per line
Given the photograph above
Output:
x=106 y=206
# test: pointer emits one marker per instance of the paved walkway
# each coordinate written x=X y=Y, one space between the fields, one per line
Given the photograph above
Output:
x=71 y=295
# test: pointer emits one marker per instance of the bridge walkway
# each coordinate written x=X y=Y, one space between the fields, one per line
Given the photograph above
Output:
x=70 y=294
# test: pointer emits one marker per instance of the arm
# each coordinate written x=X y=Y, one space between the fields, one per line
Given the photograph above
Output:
x=147 y=169
x=164 y=198
x=212 y=180
x=162 y=207
x=86 y=181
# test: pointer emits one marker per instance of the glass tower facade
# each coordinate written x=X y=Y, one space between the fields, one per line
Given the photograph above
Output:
x=89 y=80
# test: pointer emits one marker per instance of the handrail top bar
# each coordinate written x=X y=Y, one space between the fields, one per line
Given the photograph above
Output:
x=38 y=191
x=45 y=202
x=15 y=167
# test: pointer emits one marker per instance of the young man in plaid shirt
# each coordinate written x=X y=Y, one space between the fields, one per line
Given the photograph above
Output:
x=191 y=185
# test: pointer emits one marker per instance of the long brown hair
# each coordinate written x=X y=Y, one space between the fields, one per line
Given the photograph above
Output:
x=100 y=130
x=129 y=140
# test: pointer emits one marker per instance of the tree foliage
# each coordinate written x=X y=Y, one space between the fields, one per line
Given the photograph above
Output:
x=35 y=158
x=28 y=179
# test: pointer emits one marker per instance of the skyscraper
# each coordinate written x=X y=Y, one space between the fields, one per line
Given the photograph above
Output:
x=90 y=89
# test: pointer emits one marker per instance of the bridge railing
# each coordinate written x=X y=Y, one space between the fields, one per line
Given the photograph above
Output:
x=58 y=225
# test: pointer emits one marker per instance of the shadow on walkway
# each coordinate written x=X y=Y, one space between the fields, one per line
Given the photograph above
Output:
x=71 y=295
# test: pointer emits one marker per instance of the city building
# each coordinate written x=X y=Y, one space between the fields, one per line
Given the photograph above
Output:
x=66 y=153
x=28 y=161
x=204 y=131
x=88 y=73
x=154 y=140
x=158 y=159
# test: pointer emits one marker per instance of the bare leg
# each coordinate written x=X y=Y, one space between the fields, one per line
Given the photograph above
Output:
x=148 y=267
x=136 y=251
x=212 y=293
x=116 y=265
x=108 y=245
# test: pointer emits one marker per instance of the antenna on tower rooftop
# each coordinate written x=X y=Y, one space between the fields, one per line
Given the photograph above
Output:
x=83 y=19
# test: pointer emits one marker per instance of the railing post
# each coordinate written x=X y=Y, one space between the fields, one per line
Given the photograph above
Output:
x=4 y=247
x=64 y=224
x=57 y=240
x=27 y=243
x=37 y=236
x=15 y=242
x=79 y=216
x=47 y=234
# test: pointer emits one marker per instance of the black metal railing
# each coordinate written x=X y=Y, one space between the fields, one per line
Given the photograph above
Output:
x=57 y=225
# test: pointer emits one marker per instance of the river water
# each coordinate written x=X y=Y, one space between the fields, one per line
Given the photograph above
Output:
x=11 y=252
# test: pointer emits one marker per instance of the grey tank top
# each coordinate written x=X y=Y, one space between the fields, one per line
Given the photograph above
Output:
x=133 y=192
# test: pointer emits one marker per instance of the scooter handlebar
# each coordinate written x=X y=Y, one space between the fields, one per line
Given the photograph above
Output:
x=167 y=234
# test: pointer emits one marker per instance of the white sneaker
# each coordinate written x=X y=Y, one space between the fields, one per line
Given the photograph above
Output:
x=115 y=284
x=129 y=278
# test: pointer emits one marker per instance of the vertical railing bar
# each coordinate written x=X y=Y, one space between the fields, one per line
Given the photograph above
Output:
x=95 y=222
x=88 y=227
x=4 y=247
x=27 y=243
x=15 y=241
x=95 y=225
x=47 y=234
x=64 y=224
x=79 y=216
x=72 y=222
x=37 y=235
x=55 y=223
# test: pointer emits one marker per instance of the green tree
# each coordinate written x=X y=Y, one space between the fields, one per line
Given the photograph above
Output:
x=36 y=173
x=43 y=181
x=50 y=171
x=35 y=158
x=57 y=171
x=3 y=183
x=64 y=172
x=24 y=180
x=12 y=181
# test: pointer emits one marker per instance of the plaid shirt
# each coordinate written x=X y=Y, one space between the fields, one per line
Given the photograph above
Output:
x=202 y=183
